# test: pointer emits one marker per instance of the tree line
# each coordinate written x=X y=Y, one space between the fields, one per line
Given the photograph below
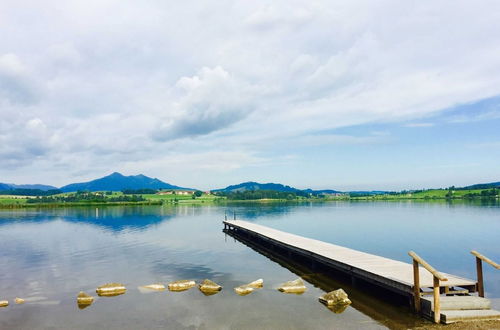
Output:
x=262 y=194
x=86 y=197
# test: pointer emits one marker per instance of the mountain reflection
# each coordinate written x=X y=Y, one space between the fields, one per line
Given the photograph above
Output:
x=115 y=218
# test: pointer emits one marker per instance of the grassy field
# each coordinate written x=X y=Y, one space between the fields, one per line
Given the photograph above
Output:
x=179 y=198
x=11 y=201
x=424 y=195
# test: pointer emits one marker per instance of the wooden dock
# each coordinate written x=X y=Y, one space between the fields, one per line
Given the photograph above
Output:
x=396 y=276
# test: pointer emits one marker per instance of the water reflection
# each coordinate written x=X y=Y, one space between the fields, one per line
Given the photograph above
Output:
x=49 y=255
x=380 y=305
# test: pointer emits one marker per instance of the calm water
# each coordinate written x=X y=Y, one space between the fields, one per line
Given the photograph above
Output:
x=48 y=256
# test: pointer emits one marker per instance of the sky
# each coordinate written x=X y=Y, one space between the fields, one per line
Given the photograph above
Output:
x=348 y=95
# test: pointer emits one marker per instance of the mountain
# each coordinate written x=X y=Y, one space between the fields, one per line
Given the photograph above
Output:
x=43 y=187
x=257 y=186
x=483 y=186
x=4 y=186
x=8 y=186
x=245 y=186
x=118 y=182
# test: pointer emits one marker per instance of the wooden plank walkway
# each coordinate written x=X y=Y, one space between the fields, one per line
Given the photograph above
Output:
x=391 y=274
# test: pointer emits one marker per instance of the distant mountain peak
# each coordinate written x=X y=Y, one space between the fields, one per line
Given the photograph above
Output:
x=117 y=182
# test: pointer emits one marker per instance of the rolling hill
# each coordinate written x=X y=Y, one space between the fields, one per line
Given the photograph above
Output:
x=483 y=186
x=252 y=186
x=8 y=186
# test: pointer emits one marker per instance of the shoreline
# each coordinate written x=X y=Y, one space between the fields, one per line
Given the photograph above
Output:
x=242 y=201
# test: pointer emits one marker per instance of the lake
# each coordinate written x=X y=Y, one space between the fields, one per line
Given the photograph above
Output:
x=47 y=256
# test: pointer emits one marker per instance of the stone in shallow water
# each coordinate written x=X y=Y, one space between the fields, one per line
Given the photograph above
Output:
x=111 y=289
x=337 y=301
x=181 y=285
x=243 y=290
x=84 y=300
x=297 y=286
x=209 y=287
x=4 y=303
x=256 y=284
x=339 y=308
x=155 y=287
x=19 y=301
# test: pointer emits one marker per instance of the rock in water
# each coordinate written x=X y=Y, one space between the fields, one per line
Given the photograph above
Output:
x=256 y=284
x=19 y=301
x=4 y=303
x=84 y=300
x=111 y=289
x=181 y=285
x=209 y=288
x=339 y=308
x=243 y=290
x=337 y=300
x=155 y=287
x=296 y=287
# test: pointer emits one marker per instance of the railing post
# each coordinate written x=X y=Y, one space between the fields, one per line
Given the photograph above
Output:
x=480 y=283
x=437 y=307
x=416 y=286
x=436 y=278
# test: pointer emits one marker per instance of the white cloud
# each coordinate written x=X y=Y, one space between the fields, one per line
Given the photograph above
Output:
x=16 y=85
x=118 y=82
x=208 y=102
x=285 y=14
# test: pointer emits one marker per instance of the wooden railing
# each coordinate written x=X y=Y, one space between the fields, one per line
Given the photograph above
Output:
x=479 y=267
x=416 y=284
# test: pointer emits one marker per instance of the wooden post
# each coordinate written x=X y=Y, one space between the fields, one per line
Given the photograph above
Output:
x=416 y=286
x=480 y=283
x=437 y=307
x=234 y=215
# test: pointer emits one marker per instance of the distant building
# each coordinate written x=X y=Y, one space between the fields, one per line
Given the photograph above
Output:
x=175 y=192
x=333 y=194
x=184 y=192
x=165 y=192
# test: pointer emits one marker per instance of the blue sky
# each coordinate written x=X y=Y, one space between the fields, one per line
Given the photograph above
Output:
x=317 y=94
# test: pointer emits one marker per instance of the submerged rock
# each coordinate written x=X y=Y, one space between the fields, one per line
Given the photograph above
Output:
x=4 y=303
x=181 y=285
x=84 y=300
x=337 y=301
x=296 y=287
x=155 y=287
x=209 y=287
x=339 y=308
x=111 y=289
x=245 y=289
x=19 y=301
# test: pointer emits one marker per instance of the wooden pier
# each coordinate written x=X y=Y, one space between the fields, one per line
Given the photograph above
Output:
x=405 y=279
